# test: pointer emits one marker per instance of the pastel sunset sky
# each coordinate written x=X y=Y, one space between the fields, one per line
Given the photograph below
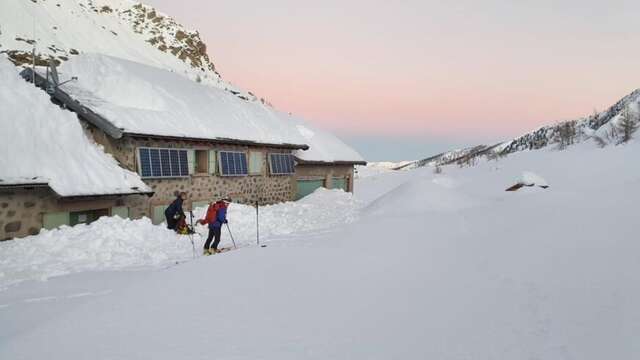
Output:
x=407 y=79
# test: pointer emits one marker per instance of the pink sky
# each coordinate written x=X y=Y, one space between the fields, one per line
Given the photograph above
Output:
x=475 y=69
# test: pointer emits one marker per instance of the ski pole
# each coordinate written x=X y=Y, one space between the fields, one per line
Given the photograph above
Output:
x=231 y=235
x=257 y=225
x=192 y=230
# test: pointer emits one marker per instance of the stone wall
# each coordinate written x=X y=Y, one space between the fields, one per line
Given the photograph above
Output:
x=264 y=188
x=326 y=172
x=22 y=210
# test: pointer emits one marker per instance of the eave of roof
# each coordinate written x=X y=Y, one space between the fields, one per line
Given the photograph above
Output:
x=328 y=163
x=28 y=185
x=224 y=141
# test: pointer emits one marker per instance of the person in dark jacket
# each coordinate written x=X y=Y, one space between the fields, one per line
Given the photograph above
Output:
x=216 y=216
x=174 y=212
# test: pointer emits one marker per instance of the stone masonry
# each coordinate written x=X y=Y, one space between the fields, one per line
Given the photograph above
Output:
x=22 y=210
x=264 y=187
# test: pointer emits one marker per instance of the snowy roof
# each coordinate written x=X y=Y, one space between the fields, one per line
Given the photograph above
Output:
x=323 y=146
x=41 y=144
x=141 y=99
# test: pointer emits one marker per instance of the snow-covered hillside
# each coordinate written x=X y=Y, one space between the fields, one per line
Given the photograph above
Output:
x=62 y=29
x=426 y=266
x=602 y=128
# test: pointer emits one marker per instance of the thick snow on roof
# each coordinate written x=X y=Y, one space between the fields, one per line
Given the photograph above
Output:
x=142 y=99
x=323 y=146
x=40 y=143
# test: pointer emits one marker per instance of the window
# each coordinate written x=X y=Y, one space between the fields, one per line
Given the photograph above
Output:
x=202 y=161
x=281 y=164
x=157 y=163
x=255 y=162
x=86 y=216
x=233 y=163
x=212 y=161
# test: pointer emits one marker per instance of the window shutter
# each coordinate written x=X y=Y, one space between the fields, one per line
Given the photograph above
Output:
x=212 y=161
x=191 y=157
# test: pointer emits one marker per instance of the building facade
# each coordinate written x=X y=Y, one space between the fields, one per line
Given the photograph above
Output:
x=247 y=171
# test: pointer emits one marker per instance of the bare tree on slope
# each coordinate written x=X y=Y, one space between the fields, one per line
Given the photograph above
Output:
x=628 y=125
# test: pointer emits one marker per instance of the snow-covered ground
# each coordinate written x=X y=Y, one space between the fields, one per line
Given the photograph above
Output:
x=112 y=243
x=416 y=265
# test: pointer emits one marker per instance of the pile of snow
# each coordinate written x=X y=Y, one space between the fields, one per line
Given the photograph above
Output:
x=375 y=168
x=529 y=178
x=323 y=209
x=110 y=243
x=142 y=99
x=41 y=143
x=418 y=195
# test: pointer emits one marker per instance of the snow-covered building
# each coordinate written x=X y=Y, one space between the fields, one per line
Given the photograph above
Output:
x=170 y=134
x=51 y=173
x=328 y=162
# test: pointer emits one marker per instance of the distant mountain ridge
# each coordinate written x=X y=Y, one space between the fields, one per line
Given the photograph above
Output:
x=598 y=125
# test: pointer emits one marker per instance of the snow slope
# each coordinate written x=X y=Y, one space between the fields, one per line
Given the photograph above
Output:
x=120 y=28
x=143 y=99
x=599 y=127
x=36 y=137
x=534 y=274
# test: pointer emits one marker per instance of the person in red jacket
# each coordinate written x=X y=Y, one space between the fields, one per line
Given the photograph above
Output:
x=215 y=217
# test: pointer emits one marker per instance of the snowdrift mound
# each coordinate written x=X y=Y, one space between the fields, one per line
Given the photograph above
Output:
x=320 y=210
x=422 y=194
x=110 y=243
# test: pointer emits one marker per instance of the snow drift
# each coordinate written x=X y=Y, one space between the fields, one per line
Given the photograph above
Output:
x=112 y=243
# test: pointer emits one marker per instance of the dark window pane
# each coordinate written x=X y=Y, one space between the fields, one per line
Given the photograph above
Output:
x=165 y=161
x=225 y=162
x=243 y=163
x=282 y=164
x=145 y=163
x=289 y=164
x=184 y=163
x=175 y=163
x=156 y=169
x=272 y=157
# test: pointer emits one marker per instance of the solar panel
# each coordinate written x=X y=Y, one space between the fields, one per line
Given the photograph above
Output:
x=163 y=163
x=184 y=163
x=281 y=164
x=156 y=169
x=233 y=163
x=243 y=164
x=175 y=163
x=145 y=163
